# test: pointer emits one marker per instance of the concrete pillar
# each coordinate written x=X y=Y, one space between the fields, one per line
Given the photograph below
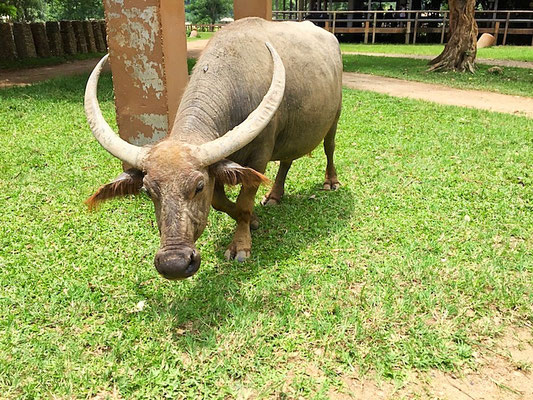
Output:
x=8 y=50
x=99 y=37
x=257 y=8
x=40 y=39
x=89 y=36
x=103 y=29
x=69 y=39
x=54 y=38
x=24 y=40
x=148 y=56
x=81 y=43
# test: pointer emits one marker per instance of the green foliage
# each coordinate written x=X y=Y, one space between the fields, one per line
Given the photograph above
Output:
x=31 y=10
x=8 y=10
x=424 y=253
x=24 y=10
x=75 y=9
x=209 y=11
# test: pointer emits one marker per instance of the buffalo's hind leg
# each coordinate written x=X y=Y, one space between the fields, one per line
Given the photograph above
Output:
x=278 y=189
x=330 y=182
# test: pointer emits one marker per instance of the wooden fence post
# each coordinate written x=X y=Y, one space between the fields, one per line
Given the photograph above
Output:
x=496 y=32
x=443 y=29
x=416 y=27
x=506 y=27
x=374 y=28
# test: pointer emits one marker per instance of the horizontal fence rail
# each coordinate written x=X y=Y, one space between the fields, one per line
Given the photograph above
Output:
x=412 y=23
x=203 y=27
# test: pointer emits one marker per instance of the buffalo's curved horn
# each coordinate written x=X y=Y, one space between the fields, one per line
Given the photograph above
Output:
x=245 y=132
x=109 y=140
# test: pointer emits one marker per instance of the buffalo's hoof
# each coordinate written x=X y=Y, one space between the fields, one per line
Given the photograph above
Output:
x=331 y=185
x=238 y=255
x=254 y=224
x=269 y=201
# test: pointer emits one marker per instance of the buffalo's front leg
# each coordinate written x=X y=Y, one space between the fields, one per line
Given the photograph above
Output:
x=222 y=203
x=240 y=247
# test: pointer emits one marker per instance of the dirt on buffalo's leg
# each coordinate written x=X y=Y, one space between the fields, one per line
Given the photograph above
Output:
x=222 y=203
x=276 y=193
x=330 y=182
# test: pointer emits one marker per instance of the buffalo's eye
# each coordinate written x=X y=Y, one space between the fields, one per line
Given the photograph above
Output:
x=199 y=187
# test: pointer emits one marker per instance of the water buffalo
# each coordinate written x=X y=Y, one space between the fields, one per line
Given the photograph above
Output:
x=227 y=130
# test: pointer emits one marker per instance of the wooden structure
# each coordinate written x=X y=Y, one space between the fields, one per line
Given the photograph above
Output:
x=500 y=23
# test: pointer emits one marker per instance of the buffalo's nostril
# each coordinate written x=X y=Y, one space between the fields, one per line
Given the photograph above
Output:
x=177 y=263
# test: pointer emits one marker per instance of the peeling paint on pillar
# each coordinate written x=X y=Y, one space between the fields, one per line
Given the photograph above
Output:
x=137 y=33
x=158 y=124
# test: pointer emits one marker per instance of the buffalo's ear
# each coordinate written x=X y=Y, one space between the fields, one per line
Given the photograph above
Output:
x=230 y=173
x=128 y=182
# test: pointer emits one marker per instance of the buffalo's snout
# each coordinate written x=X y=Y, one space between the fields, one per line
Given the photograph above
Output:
x=177 y=263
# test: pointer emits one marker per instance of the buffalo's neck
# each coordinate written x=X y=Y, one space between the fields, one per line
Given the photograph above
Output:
x=205 y=111
x=220 y=96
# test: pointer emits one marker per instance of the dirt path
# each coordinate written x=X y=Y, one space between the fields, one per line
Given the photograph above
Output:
x=489 y=101
x=394 y=87
x=28 y=76
x=487 y=61
x=501 y=373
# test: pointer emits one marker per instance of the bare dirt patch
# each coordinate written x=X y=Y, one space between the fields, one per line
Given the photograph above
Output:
x=503 y=372
x=440 y=94
x=24 y=77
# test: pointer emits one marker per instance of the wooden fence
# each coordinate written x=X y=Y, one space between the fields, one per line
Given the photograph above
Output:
x=203 y=27
x=21 y=40
x=412 y=23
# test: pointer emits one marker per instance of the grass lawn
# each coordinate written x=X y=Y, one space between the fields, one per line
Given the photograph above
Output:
x=517 y=53
x=424 y=253
x=514 y=81
x=201 y=36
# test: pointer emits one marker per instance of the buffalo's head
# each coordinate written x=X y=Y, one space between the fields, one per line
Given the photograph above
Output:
x=180 y=177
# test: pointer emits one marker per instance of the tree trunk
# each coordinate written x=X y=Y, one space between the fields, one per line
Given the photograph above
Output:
x=460 y=51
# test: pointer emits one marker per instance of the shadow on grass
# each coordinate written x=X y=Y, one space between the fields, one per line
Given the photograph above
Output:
x=305 y=219
x=62 y=89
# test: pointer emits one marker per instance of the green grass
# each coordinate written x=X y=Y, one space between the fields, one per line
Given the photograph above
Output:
x=516 y=53
x=514 y=81
x=201 y=36
x=424 y=252
x=45 y=62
